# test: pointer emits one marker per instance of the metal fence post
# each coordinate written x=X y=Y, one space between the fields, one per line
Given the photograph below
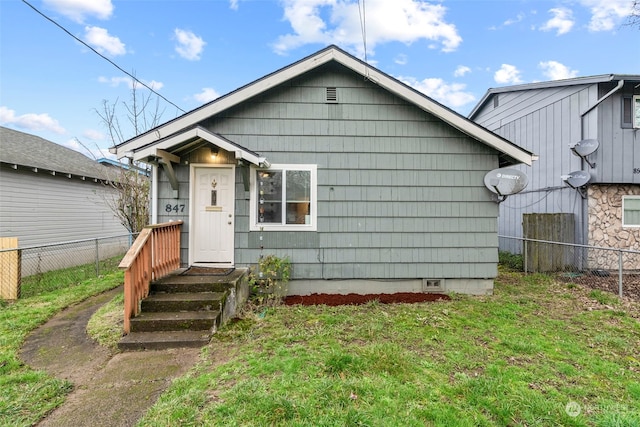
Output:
x=525 y=255
x=620 y=273
x=97 y=259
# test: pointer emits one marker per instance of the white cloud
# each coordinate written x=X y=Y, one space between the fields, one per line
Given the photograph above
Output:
x=338 y=22
x=607 y=14
x=401 y=59
x=233 y=4
x=128 y=81
x=556 y=71
x=94 y=135
x=207 y=94
x=189 y=45
x=78 y=10
x=515 y=20
x=451 y=95
x=461 y=71
x=100 y=39
x=30 y=121
x=562 y=21
x=507 y=74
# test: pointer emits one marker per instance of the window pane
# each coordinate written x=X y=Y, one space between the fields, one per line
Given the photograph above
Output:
x=631 y=211
x=636 y=111
x=270 y=197
x=627 y=111
x=298 y=197
x=298 y=186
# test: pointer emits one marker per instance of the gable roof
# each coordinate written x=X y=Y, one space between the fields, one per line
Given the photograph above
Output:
x=602 y=78
x=510 y=152
x=26 y=150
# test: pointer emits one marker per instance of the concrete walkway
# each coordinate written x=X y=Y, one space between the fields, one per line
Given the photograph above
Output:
x=109 y=389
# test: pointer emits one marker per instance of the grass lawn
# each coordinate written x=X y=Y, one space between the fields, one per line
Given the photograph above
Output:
x=537 y=353
x=25 y=394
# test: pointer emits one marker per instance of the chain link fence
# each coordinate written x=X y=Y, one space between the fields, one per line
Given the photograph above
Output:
x=608 y=269
x=30 y=270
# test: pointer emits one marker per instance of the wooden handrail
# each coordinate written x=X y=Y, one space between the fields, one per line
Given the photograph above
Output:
x=154 y=254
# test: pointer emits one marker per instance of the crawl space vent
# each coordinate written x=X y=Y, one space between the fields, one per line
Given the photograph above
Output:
x=332 y=94
x=431 y=285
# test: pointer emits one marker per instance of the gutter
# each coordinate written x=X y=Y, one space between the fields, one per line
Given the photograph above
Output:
x=599 y=101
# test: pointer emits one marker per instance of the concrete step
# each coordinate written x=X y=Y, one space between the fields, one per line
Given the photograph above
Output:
x=164 y=340
x=182 y=301
x=176 y=321
x=196 y=283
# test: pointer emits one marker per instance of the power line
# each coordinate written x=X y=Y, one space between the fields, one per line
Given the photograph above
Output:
x=363 y=27
x=100 y=55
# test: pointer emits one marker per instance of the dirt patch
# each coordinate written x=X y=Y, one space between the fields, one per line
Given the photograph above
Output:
x=355 y=299
x=109 y=389
x=606 y=281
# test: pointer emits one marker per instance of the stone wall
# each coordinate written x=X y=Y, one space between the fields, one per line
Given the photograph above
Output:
x=605 y=227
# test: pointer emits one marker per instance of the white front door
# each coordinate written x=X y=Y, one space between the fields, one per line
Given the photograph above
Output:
x=212 y=228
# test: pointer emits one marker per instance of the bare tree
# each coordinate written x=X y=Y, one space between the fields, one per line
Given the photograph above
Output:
x=634 y=17
x=130 y=202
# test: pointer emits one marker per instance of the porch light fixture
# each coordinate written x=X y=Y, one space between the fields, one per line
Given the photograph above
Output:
x=214 y=152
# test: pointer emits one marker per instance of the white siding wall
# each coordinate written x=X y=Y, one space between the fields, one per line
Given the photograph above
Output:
x=39 y=208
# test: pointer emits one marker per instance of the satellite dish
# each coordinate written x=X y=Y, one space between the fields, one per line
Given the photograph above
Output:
x=585 y=147
x=505 y=181
x=576 y=179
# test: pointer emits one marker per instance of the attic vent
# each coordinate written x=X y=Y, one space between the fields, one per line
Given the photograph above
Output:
x=496 y=101
x=332 y=94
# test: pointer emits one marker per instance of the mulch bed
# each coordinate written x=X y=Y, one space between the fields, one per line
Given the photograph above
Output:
x=356 y=299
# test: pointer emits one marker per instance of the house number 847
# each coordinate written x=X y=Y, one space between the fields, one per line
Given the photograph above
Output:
x=173 y=208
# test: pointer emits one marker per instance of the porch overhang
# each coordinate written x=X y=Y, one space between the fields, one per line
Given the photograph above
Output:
x=171 y=147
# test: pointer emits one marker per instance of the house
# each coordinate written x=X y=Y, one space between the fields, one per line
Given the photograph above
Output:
x=367 y=185
x=586 y=131
x=52 y=194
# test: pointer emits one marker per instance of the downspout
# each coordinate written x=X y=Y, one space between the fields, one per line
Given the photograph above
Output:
x=154 y=194
x=585 y=201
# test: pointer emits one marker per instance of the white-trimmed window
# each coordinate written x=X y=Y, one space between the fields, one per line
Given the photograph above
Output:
x=631 y=111
x=631 y=211
x=283 y=198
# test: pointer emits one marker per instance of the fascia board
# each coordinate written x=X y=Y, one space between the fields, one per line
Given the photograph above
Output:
x=168 y=143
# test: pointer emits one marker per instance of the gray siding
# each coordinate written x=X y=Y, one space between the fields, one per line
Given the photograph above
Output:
x=619 y=152
x=545 y=121
x=400 y=193
x=40 y=208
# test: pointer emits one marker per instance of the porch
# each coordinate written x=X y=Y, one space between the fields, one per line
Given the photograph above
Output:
x=167 y=306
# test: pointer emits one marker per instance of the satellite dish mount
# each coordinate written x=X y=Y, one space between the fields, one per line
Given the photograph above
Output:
x=583 y=148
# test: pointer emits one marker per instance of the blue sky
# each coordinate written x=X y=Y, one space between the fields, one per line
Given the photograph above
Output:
x=192 y=51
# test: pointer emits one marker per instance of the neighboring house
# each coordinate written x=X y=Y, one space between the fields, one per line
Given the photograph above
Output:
x=52 y=194
x=550 y=118
x=367 y=185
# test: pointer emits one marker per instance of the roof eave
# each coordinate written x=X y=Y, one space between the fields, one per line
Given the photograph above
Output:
x=298 y=68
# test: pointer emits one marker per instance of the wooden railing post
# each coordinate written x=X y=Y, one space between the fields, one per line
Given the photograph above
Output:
x=154 y=254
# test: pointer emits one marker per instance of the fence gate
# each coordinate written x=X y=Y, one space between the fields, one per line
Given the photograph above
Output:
x=555 y=227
